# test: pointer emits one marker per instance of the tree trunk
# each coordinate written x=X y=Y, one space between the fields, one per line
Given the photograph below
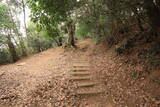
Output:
x=12 y=49
x=71 y=37
x=138 y=19
x=21 y=42
x=153 y=13
x=71 y=40
x=140 y=24
x=158 y=3
x=23 y=48
x=71 y=32
x=24 y=15
x=60 y=41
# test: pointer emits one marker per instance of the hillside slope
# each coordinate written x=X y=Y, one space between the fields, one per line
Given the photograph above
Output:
x=42 y=80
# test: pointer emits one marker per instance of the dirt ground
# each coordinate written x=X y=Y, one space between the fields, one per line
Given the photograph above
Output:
x=37 y=81
x=42 y=80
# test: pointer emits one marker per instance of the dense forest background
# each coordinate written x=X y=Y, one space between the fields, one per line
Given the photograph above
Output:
x=129 y=25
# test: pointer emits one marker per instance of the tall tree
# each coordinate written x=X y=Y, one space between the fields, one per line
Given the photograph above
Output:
x=153 y=12
x=12 y=49
x=51 y=13
x=18 y=34
x=24 y=16
x=7 y=29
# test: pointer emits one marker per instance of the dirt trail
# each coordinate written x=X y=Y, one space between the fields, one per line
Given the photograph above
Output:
x=28 y=81
x=43 y=80
x=89 y=95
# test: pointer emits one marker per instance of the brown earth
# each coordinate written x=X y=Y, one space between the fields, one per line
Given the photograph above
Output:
x=42 y=80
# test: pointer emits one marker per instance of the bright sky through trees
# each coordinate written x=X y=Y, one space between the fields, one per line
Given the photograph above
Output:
x=21 y=18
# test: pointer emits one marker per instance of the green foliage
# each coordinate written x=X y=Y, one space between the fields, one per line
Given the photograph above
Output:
x=48 y=14
x=39 y=43
x=39 y=40
x=5 y=19
x=2 y=39
x=103 y=20
x=84 y=30
x=4 y=56
x=108 y=16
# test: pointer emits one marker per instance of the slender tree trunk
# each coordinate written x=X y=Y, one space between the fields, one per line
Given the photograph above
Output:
x=22 y=45
x=138 y=19
x=12 y=49
x=158 y=3
x=153 y=13
x=24 y=15
x=60 y=41
x=140 y=24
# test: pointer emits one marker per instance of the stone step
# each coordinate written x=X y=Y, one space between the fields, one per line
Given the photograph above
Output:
x=86 y=84
x=79 y=78
x=82 y=60
x=80 y=73
x=80 y=65
x=90 y=92
x=80 y=69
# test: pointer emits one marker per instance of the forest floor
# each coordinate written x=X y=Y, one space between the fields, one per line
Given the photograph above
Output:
x=43 y=80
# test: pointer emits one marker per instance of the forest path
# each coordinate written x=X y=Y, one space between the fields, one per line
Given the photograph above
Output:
x=36 y=81
x=42 y=80
x=89 y=90
x=89 y=76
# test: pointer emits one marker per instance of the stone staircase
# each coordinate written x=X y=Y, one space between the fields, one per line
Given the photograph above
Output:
x=82 y=77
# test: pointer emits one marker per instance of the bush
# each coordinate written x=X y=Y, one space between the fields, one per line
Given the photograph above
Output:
x=39 y=44
x=125 y=48
x=4 y=56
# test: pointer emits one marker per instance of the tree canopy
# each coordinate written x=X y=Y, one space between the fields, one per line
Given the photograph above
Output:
x=64 y=21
